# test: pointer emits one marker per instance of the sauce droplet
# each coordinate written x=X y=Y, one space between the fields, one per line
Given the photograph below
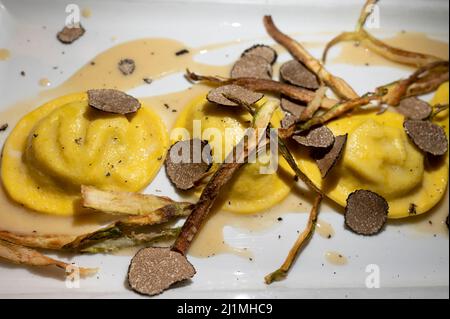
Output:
x=335 y=258
x=44 y=82
x=86 y=13
x=324 y=229
x=4 y=54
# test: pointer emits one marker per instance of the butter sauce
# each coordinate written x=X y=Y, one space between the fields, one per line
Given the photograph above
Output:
x=350 y=53
x=5 y=54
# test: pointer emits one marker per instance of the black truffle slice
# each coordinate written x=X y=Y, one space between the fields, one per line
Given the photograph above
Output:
x=414 y=108
x=327 y=159
x=288 y=120
x=427 y=136
x=187 y=162
x=69 y=35
x=366 y=212
x=297 y=74
x=264 y=51
x=153 y=270
x=292 y=107
x=113 y=101
x=319 y=137
x=238 y=92
x=126 y=66
x=252 y=67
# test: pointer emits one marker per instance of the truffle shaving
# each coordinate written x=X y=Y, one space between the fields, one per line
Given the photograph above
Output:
x=427 y=136
x=252 y=66
x=127 y=66
x=242 y=94
x=414 y=109
x=69 y=35
x=264 y=51
x=187 y=163
x=319 y=137
x=327 y=159
x=366 y=212
x=297 y=74
x=153 y=270
x=293 y=107
x=113 y=101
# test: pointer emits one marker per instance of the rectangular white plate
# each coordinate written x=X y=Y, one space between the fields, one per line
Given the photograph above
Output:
x=411 y=264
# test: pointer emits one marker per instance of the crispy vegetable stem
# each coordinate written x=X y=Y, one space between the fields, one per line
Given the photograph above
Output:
x=438 y=109
x=314 y=105
x=424 y=80
x=260 y=85
x=123 y=227
x=338 y=110
x=30 y=257
x=303 y=239
x=284 y=150
x=366 y=11
x=377 y=46
x=53 y=242
x=338 y=85
x=122 y=202
x=122 y=233
x=131 y=240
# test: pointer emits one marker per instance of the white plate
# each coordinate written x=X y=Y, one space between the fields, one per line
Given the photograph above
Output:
x=411 y=264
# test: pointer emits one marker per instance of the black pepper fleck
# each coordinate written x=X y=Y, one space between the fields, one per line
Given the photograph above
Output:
x=182 y=52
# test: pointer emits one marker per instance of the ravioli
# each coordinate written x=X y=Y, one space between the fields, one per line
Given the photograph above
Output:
x=249 y=191
x=65 y=144
x=380 y=157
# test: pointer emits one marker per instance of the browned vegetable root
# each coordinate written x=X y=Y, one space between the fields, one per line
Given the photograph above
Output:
x=314 y=105
x=426 y=79
x=124 y=227
x=122 y=202
x=331 y=114
x=54 y=242
x=338 y=85
x=121 y=227
x=303 y=239
x=377 y=46
x=259 y=85
x=30 y=257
